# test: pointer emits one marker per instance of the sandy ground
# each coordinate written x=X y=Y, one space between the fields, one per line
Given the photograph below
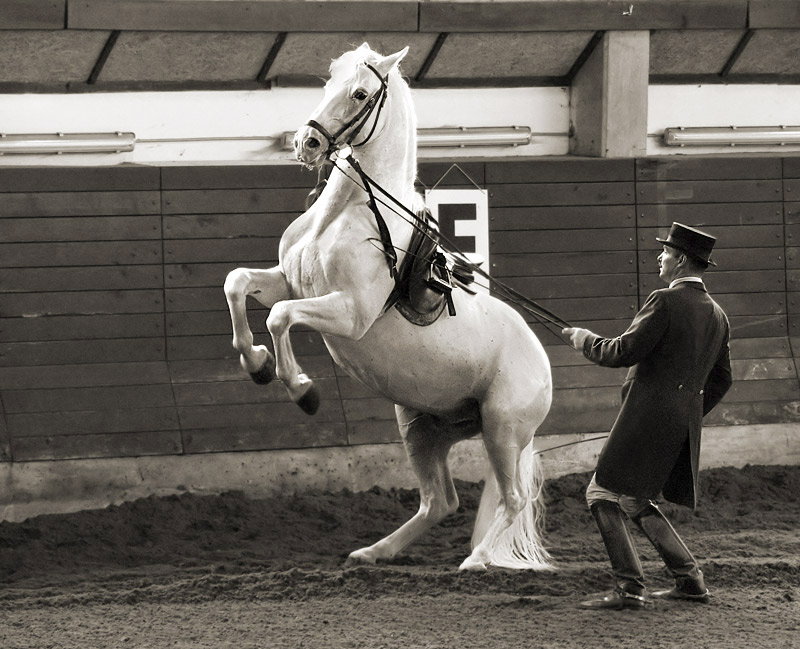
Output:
x=230 y=572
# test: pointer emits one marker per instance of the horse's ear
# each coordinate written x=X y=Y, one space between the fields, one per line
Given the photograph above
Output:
x=385 y=65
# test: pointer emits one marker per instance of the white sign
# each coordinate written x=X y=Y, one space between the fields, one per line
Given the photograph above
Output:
x=463 y=217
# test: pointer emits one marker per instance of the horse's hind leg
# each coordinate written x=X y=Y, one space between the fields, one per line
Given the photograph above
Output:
x=427 y=444
x=268 y=287
x=508 y=426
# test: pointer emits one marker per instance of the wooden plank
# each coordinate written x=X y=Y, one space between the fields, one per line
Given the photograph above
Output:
x=91 y=422
x=201 y=274
x=32 y=14
x=377 y=408
x=250 y=416
x=743 y=236
x=450 y=174
x=554 y=15
x=96 y=446
x=745 y=281
x=238 y=177
x=587 y=376
x=94 y=327
x=791 y=167
x=709 y=191
x=792 y=257
x=586 y=308
x=739 y=414
x=234 y=201
x=729 y=259
x=220 y=226
x=195 y=299
x=794 y=332
x=240 y=251
x=791 y=189
x=706 y=168
x=76 y=278
x=96 y=351
x=98 y=203
x=241 y=392
x=543 y=241
x=758 y=326
x=566 y=263
x=774 y=347
x=186 y=348
x=257 y=438
x=83 y=303
x=792 y=211
x=201 y=323
x=764 y=390
x=766 y=303
x=562 y=217
x=78 y=179
x=709 y=214
x=372 y=432
x=774 y=14
x=530 y=195
x=240 y=16
x=119 y=228
x=83 y=375
x=762 y=369
x=98 y=398
x=227 y=369
x=599 y=420
x=95 y=253
x=559 y=171
x=575 y=286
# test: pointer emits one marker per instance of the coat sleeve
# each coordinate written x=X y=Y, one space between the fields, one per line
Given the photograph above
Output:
x=642 y=336
x=719 y=379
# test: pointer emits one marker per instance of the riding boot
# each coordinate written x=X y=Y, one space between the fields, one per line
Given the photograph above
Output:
x=625 y=564
x=681 y=564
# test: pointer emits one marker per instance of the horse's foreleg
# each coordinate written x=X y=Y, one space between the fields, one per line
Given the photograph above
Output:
x=427 y=446
x=268 y=287
x=335 y=314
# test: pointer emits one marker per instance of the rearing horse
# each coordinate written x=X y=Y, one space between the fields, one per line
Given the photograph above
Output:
x=481 y=371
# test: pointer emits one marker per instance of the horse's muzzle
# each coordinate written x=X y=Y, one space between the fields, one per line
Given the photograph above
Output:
x=310 y=146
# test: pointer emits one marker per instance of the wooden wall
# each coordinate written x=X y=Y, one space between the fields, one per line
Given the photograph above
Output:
x=115 y=336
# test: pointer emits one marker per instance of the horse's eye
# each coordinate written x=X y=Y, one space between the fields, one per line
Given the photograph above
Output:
x=359 y=95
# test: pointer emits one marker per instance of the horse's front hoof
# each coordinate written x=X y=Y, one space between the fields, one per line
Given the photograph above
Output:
x=473 y=565
x=309 y=402
x=359 y=558
x=265 y=375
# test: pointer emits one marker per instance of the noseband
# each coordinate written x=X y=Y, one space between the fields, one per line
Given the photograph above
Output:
x=378 y=99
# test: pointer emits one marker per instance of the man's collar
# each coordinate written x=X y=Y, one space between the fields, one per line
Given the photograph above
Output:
x=681 y=280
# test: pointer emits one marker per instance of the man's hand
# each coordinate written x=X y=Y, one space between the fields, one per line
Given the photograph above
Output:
x=576 y=336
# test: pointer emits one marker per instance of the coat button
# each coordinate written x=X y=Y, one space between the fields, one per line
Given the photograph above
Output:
x=701 y=392
x=680 y=387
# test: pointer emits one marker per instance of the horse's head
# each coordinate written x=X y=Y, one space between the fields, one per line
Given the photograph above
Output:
x=350 y=109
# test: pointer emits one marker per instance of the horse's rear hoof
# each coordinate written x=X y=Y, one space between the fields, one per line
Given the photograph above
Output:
x=309 y=402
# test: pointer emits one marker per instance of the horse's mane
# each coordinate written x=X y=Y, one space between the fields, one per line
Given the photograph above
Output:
x=348 y=63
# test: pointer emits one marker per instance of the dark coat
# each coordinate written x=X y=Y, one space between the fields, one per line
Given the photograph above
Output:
x=678 y=352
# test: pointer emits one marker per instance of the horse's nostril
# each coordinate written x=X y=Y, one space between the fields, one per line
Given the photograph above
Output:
x=312 y=143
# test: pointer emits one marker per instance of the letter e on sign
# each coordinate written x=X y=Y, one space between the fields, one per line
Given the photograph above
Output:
x=463 y=217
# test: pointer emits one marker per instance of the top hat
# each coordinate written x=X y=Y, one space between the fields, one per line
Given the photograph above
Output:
x=693 y=242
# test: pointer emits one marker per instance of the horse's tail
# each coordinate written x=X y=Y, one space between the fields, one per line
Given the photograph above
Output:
x=521 y=546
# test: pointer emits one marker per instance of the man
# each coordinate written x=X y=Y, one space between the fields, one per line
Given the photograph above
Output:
x=678 y=352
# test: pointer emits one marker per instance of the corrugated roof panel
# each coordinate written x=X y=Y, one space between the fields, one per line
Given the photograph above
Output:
x=187 y=56
x=699 y=51
x=307 y=54
x=770 y=51
x=43 y=56
x=499 y=55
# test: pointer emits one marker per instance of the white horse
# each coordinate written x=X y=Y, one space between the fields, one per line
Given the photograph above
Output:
x=480 y=371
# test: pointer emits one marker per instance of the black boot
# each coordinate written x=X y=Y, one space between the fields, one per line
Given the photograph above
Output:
x=681 y=564
x=625 y=564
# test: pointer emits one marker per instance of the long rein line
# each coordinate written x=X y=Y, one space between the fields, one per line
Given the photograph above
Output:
x=524 y=302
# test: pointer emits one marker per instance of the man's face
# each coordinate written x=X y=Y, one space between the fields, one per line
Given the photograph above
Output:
x=668 y=263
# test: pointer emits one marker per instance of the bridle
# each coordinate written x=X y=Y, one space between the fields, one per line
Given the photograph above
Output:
x=378 y=99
